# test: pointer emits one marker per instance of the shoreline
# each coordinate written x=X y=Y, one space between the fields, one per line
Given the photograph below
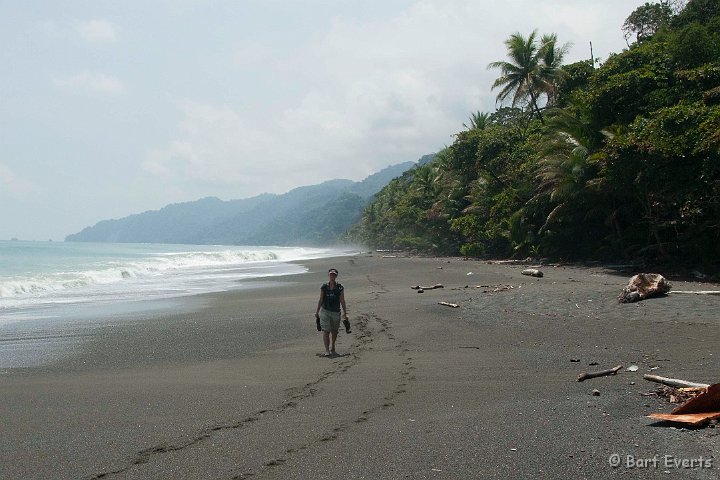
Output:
x=44 y=335
x=235 y=386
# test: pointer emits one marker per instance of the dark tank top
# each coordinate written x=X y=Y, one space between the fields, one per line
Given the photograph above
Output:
x=331 y=297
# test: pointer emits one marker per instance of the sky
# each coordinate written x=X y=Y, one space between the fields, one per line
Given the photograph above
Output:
x=112 y=108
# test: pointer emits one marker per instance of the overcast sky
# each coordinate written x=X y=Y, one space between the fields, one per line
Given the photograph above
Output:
x=109 y=108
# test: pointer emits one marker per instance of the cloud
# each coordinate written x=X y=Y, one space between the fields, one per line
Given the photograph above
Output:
x=361 y=94
x=216 y=146
x=13 y=186
x=252 y=55
x=96 y=31
x=92 y=81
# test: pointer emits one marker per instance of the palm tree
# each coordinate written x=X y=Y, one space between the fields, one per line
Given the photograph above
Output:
x=423 y=183
x=567 y=155
x=552 y=58
x=478 y=121
x=533 y=69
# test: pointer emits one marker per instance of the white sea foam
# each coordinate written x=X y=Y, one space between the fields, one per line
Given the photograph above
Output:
x=107 y=274
x=116 y=271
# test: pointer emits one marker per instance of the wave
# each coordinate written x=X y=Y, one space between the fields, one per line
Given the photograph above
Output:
x=151 y=265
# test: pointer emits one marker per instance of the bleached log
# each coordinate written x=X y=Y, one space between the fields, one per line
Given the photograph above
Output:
x=674 y=382
x=452 y=305
x=697 y=292
x=437 y=285
x=601 y=373
x=532 y=272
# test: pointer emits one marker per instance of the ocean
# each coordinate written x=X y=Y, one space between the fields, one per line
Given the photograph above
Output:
x=47 y=280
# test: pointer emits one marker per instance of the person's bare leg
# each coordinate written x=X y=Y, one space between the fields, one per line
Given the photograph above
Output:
x=326 y=341
x=334 y=338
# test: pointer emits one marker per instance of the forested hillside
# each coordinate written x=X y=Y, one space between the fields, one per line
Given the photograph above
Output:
x=310 y=215
x=591 y=160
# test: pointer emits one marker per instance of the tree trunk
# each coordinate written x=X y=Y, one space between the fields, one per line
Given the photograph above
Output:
x=534 y=104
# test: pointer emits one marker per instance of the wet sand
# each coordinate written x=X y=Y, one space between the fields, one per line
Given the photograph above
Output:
x=233 y=387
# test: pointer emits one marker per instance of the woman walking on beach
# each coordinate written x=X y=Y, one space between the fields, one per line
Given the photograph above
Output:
x=327 y=314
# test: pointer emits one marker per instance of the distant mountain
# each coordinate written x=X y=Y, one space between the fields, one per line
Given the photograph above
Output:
x=426 y=159
x=309 y=215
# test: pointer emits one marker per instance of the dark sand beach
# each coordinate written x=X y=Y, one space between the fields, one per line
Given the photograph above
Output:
x=232 y=386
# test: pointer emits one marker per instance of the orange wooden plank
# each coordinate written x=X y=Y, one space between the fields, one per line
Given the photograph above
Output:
x=689 y=418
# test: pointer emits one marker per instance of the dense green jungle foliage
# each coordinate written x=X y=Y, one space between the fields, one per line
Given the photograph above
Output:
x=589 y=161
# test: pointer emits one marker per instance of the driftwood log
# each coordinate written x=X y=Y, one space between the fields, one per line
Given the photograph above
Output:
x=532 y=272
x=644 y=285
x=674 y=382
x=499 y=288
x=697 y=292
x=452 y=305
x=601 y=373
x=418 y=287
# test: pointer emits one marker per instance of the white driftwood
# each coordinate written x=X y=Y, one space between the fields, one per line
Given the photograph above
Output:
x=418 y=287
x=532 y=272
x=496 y=289
x=452 y=305
x=674 y=382
x=697 y=292
x=601 y=373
